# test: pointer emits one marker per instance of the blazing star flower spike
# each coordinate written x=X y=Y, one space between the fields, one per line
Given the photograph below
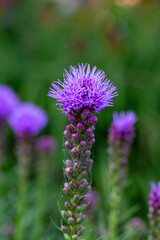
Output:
x=8 y=101
x=124 y=120
x=83 y=88
x=46 y=144
x=83 y=93
x=122 y=127
x=120 y=138
x=28 y=119
x=154 y=210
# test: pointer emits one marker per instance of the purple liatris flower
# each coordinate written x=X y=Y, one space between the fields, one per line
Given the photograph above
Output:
x=154 y=210
x=137 y=226
x=83 y=88
x=83 y=92
x=28 y=119
x=122 y=128
x=8 y=101
x=92 y=199
x=121 y=135
x=45 y=144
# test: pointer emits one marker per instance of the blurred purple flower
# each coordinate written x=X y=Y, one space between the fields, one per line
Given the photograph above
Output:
x=83 y=87
x=46 y=144
x=92 y=199
x=137 y=225
x=121 y=135
x=154 y=209
x=8 y=101
x=28 y=119
x=122 y=127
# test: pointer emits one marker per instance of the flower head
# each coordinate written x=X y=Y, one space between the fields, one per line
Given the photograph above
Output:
x=8 y=101
x=123 y=125
x=124 y=120
x=154 y=209
x=136 y=224
x=45 y=144
x=83 y=88
x=155 y=195
x=28 y=119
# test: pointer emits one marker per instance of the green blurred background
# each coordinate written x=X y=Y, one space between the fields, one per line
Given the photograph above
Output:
x=39 y=38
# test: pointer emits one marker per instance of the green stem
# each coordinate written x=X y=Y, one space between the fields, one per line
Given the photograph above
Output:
x=23 y=164
x=113 y=217
x=114 y=197
x=40 y=196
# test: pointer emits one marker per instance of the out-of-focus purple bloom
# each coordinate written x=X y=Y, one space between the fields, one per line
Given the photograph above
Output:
x=8 y=101
x=154 y=209
x=136 y=225
x=92 y=199
x=83 y=88
x=46 y=144
x=121 y=135
x=28 y=119
x=122 y=127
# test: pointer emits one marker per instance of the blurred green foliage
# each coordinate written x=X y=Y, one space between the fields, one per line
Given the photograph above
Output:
x=37 y=41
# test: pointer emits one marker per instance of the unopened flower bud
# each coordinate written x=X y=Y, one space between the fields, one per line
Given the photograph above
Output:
x=69 y=172
x=82 y=144
x=92 y=120
x=88 y=164
x=66 y=185
x=85 y=113
x=70 y=128
x=71 y=221
x=68 y=205
x=75 y=237
x=93 y=141
x=68 y=163
x=72 y=119
x=77 y=167
x=88 y=131
x=92 y=135
x=65 y=229
x=90 y=142
x=64 y=215
x=80 y=126
x=66 y=134
x=75 y=137
x=80 y=230
x=73 y=185
x=81 y=218
x=86 y=154
x=68 y=145
x=67 y=190
x=74 y=152
x=83 y=185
